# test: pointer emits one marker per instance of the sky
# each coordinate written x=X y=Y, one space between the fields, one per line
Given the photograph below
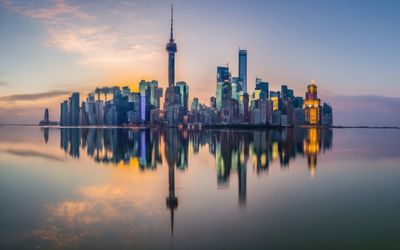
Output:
x=50 y=48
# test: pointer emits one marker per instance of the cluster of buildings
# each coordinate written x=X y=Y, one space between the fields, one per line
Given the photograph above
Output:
x=125 y=106
x=231 y=105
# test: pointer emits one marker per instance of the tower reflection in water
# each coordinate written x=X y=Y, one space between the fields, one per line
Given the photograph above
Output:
x=232 y=150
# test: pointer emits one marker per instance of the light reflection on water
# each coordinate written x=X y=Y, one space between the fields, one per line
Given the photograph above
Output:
x=169 y=188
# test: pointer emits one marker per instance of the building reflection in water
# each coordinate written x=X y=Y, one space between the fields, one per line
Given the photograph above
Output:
x=45 y=131
x=173 y=154
x=233 y=151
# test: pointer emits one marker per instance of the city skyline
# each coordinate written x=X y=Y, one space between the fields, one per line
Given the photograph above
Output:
x=13 y=101
x=232 y=104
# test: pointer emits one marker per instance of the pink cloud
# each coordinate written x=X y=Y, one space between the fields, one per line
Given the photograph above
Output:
x=54 y=13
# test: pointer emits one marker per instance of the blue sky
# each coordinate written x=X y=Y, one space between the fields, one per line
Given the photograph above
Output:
x=52 y=47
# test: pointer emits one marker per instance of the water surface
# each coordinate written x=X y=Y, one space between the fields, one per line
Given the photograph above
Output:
x=176 y=189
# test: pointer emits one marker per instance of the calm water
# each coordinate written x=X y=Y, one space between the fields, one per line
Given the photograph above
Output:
x=171 y=189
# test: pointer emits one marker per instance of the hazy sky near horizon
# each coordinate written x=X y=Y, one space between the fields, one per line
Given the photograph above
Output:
x=49 y=48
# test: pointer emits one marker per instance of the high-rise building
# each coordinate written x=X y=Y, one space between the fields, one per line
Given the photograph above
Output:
x=100 y=112
x=275 y=96
x=46 y=115
x=89 y=110
x=155 y=94
x=126 y=91
x=183 y=89
x=144 y=89
x=150 y=95
x=46 y=122
x=226 y=103
x=286 y=93
x=134 y=115
x=311 y=106
x=244 y=101
x=64 y=113
x=327 y=117
x=222 y=76
x=243 y=69
x=263 y=88
x=213 y=102
x=236 y=88
x=74 y=109
x=84 y=121
x=195 y=104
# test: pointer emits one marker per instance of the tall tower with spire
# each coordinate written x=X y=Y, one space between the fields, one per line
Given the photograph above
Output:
x=171 y=152
x=171 y=49
x=172 y=107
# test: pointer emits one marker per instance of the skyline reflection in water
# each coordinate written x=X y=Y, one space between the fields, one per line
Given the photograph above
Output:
x=231 y=149
x=169 y=188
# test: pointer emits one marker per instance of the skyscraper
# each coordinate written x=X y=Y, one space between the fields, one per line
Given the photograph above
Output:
x=243 y=69
x=245 y=101
x=74 y=105
x=222 y=76
x=64 y=113
x=311 y=106
x=46 y=115
x=263 y=88
x=195 y=104
x=183 y=89
x=144 y=89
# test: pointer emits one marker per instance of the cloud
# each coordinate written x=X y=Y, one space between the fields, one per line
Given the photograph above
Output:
x=103 y=45
x=56 y=13
x=33 y=97
x=31 y=153
x=94 y=41
x=3 y=83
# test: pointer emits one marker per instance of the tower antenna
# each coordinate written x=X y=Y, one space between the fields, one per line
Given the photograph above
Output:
x=172 y=22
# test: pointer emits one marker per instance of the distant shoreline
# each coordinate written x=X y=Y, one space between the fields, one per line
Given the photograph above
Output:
x=216 y=126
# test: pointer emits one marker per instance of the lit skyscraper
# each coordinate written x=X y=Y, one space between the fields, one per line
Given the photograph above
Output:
x=222 y=76
x=311 y=105
x=144 y=89
x=183 y=89
x=263 y=88
x=243 y=68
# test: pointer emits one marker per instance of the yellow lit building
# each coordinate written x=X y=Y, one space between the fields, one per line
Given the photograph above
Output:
x=275 y=103
x=311 y=105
